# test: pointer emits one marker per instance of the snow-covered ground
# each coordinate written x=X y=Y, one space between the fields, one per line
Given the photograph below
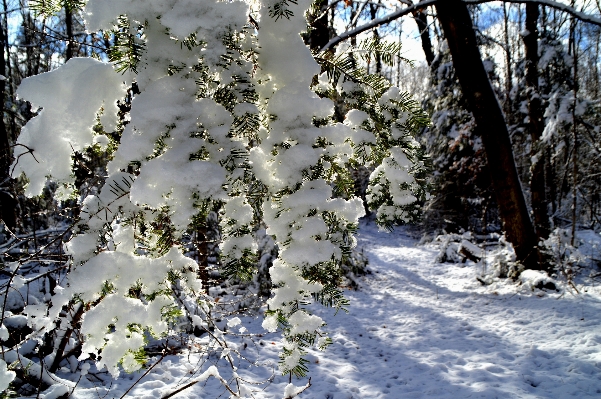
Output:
x=420 y=329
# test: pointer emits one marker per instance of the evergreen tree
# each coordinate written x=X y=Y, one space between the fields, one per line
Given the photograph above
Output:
x=225 y=119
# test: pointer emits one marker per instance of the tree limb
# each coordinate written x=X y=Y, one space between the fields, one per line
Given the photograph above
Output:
x=427 y=3
x=377 y=22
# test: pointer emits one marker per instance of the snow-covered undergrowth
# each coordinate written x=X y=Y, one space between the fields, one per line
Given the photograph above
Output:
x=571 y=259
x=417 y=329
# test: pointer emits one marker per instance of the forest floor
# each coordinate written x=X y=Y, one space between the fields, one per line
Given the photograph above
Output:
x=420 y=329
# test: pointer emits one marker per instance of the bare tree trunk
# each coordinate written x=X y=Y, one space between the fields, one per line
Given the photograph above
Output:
x=4 y=141
x=320 y=32
x=508 y=62
x=373 y=9
x=535 y=125
x=12 y=133
x=355 y=13
x=574 y=42
x=551 y=183
x=69 y=28
x=421 y=19
x=28 y=33
x=457 y=26
x=596 y=68
x=7 y=201
x=202 y=248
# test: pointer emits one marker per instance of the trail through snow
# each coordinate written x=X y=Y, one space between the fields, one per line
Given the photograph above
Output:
x=421 y=329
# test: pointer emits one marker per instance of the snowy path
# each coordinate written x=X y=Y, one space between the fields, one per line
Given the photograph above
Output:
x=419 y=329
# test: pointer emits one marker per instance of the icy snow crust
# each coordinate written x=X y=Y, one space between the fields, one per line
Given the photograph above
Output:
x=418 y=329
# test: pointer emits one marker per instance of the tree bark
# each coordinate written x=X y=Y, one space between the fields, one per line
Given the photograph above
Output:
x=7 y=201
x=574 y=42
x=535 y=125
x=69 y=29
x=508 y=61
x=421 y=19
x=319 y=35
x=457 y=26
x=373 y=9
x=4 y=141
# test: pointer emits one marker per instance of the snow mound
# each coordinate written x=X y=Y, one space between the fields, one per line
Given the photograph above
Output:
x=535 y=279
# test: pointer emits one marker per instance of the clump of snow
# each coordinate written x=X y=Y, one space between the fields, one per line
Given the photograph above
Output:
x=473 y=249
x=4 y=335
x=6 y=376
x=55 y=392
x=79 y=89
x=233 y=322
x=85 y=369
x=292 y=391
x=534 y=279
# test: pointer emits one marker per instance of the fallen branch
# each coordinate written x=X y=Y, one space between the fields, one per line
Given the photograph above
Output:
x=211 y=371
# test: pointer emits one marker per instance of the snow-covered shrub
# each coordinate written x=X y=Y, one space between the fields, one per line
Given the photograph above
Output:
x=571 y=257
x=449 y=248
x=535 y=279
x=227 y=116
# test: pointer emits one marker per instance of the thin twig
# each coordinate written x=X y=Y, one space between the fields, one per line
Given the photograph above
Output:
x=145 y=374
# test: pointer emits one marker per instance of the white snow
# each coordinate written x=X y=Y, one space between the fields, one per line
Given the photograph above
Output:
x=6 y=376
x=78 y=89
x=4 y=335
x=185 y=154
x=416 y=329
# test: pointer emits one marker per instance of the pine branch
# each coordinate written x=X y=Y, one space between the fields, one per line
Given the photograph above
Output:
x=388 y=51
x=128 y=48
x=345 y=65
x=280 y=9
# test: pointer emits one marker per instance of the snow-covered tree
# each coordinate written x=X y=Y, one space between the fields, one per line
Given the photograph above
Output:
x=461 y=191
x=226 y=114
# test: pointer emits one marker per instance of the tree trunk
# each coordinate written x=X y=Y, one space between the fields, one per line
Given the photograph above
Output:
x=574 y=132
x=7 y=201
x=12 y=132
x=421 y=19
x=69 y=28
x=320 y=33
x=355 y=13
x=535 y=125
x=508 y=61
x=457 y=26
x=373 y=9
x=551 y=182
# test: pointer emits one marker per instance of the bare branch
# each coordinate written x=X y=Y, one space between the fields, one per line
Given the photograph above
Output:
x=377 y=22
x=145 y=373
x=552 y=4
x=427 y=3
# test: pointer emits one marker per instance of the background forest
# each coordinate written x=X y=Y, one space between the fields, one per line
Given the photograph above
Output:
x=503 y=109
x=550 y=110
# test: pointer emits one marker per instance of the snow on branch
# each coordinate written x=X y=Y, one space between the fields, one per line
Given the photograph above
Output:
x=236 y=131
